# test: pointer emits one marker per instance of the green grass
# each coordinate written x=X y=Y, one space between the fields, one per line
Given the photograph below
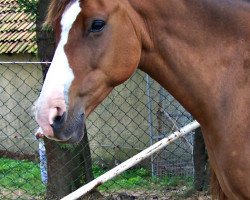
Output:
x=140 y=178
x=25 y=175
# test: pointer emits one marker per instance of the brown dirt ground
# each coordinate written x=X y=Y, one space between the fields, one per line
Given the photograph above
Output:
x=173 y=194
x=15 y=194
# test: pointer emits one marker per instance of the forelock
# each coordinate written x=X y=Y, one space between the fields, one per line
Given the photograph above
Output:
x=55 y=11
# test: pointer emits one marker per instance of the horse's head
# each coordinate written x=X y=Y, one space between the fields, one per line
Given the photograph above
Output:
x=98 y=48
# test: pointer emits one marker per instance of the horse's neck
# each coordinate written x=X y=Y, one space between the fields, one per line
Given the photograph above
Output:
x=197 y=45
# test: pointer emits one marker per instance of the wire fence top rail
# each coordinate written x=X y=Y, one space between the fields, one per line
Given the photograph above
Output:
x=23 y=62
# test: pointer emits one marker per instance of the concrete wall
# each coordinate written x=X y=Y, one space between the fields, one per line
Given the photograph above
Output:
x=19 y=87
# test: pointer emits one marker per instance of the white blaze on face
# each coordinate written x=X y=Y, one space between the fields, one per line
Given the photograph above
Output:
x=51 y=101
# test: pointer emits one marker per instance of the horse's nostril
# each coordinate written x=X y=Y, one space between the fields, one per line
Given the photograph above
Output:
x=58 y=121
x=82 y=115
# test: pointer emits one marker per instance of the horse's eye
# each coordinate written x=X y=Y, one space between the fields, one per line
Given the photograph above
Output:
x=97 y=26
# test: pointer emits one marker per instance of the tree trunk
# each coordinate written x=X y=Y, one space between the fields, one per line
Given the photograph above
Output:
x=45 y=39
x=200 y=162
x=69 y=168
x=86 y=157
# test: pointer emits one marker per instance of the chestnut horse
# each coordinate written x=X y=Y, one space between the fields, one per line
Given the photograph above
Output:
x=198 y=50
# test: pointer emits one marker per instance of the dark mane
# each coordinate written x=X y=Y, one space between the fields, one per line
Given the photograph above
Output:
x=55 y=11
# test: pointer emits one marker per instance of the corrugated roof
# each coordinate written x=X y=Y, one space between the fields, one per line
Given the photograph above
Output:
x=17 y=29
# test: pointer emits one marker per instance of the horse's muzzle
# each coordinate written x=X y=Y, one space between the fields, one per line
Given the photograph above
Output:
x=69 y=127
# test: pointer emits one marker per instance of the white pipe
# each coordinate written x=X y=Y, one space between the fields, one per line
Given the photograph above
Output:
x=131 y=162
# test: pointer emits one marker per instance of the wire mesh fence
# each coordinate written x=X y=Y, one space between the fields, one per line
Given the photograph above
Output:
x=135 y=115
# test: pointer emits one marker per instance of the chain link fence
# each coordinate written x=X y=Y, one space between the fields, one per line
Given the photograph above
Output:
x=135 y=115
